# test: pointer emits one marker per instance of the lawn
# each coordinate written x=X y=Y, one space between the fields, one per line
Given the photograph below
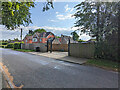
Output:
x=24 y=50
x=106 y=64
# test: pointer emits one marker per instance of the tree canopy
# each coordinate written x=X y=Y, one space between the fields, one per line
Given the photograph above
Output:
x=14 y=14
x=100 y=20
x=39 y=30
x=97 y=19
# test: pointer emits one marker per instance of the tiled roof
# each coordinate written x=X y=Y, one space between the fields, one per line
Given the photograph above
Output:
x=43 y=33
x=28 y=37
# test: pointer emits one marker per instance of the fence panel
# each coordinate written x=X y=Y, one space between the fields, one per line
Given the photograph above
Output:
x=82 y=50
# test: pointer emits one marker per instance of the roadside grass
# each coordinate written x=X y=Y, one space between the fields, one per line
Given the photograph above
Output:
x=105 y=64
x=23 y=50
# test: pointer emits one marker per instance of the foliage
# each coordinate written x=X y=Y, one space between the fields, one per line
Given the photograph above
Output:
x=75 y=36
x=100 y=20
x=104 y=64
x=16 y=13
x=81 y=40
x=17 y=45
x=57 y=36
x=10 y=45
x=97 y=19
x=48 y=5
x=3 y=46
x=16 y=39
x=4 y=43
x=39 y=30
x=24 y=50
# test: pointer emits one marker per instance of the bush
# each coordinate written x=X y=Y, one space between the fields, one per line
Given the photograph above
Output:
x=104 y=50
x=10 y=45
x=3 y=46
x=4 y=43
x=17 y=45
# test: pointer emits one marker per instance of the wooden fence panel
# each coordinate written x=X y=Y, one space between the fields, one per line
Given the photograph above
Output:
x=82 y=50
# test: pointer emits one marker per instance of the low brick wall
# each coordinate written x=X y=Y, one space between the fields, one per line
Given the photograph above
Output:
x=82 y=50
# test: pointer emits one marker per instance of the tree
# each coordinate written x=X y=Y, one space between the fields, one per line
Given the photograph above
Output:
x=39 y=30
x=16 y=39
x=75 y=36
x=14 y=14
x=97 y=19
x=100 y=20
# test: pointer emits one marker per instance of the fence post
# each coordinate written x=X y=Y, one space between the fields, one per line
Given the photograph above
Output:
x=69 y=47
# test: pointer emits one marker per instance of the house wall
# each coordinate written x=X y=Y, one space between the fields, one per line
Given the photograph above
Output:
x=42 y=46
x=33 y=46
x=28 y=41
x=82 y=50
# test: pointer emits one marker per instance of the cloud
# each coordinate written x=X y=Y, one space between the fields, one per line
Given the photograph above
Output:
x=67 y=8
x=67 y=15
x=8 y=34
x=64 y=17
x=53 y=20
x=85 y=37
x=57 y=12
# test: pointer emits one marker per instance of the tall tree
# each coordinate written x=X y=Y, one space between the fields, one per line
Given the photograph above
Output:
x=97 y=18
x=100 y=20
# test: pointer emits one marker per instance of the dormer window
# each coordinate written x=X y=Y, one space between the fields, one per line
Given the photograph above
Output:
x=34 y=39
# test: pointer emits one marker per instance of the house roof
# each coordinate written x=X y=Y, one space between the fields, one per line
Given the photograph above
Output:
x=28 y=37
x=43 y=34
x=56 y=41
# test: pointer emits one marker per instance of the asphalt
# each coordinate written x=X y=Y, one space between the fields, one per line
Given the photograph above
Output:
x=35 y=71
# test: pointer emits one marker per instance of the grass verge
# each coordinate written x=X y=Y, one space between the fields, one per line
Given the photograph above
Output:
x=23 y=50
x=105 y=64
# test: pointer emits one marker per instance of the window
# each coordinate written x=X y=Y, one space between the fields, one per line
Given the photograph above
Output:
x=40 y=40
x=34 y=40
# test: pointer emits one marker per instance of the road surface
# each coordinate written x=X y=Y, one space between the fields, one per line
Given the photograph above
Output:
x=34 y=71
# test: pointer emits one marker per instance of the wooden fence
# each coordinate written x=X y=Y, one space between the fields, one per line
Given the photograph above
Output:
x=82 y=50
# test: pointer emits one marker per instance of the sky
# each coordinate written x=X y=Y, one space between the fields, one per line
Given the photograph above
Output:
x=58 y=21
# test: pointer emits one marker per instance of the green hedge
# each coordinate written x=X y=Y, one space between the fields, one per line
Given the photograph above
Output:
x=10 y=45
x=3 y=43
x=17 y=45
x=104 y=50
x=3 y=46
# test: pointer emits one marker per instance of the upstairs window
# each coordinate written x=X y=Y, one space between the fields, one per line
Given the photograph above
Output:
x=34 y=39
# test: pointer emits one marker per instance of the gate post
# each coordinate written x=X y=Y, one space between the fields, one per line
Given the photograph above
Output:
x=47 y=45
x=50 y=46
x=69 y=47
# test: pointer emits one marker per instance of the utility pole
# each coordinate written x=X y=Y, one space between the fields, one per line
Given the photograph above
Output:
x=21 y=34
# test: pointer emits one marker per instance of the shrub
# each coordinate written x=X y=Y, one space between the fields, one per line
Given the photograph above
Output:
x=3 y=46
x=4 y=43
x=17 y=45
x=10 y=45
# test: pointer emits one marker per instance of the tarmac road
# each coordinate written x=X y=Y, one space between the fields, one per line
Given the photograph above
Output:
x=34 y=71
